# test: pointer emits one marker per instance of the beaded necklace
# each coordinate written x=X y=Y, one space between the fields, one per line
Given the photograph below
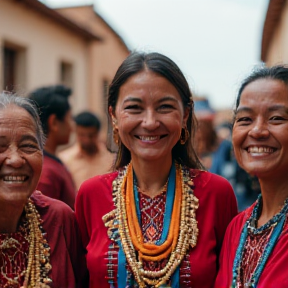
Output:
x=276 y=223
x=124 y=226
x=38 y=266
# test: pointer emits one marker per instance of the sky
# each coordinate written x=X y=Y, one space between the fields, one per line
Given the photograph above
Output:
x=216 y=43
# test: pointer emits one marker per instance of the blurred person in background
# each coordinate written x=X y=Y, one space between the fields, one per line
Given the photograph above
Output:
x=39 y=239
x=254 y=252
x=55 y=114
x=214 y=147
x=89 y=156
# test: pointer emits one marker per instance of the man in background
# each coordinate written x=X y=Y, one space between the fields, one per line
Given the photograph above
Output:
x=88 y=156
x=216 y=154
x=57 y=123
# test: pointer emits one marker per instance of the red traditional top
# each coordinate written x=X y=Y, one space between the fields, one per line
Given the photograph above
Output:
x=217 y=206
x=14 y=250
x=275 y=271
x=66 y=254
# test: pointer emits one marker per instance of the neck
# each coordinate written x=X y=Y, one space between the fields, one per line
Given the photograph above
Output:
x=50 y=146
x=151 y=176
x=89 y=153
x=10 y=216
x=274 y=193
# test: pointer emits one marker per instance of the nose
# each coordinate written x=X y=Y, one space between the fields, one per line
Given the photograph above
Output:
x=14 y=159
x=259 y=130
x=150 y=121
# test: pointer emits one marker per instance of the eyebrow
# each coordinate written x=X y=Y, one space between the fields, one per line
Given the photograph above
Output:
x=270 y=109
x=29 y=138
x=278 y=107
x=132 y=99
x=166 y=98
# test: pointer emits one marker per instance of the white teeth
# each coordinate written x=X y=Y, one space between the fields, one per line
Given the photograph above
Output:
x=14 y=178
x=256 y=149
x=148 y=138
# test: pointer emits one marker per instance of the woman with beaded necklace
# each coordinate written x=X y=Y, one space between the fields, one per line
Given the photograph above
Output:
x=158 y=220
x=254 y=252
x=39 y=243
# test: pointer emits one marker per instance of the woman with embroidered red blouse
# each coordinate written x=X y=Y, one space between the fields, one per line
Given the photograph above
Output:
x=158 y=220
x=39 y=243
x=254 y=252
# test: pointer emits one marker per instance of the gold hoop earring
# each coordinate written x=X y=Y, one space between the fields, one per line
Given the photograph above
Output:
x=184 y=136
x=116 y=137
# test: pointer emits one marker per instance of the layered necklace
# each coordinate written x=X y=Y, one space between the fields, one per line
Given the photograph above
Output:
x=272 y=230
x=37 y=265
x=123 y=226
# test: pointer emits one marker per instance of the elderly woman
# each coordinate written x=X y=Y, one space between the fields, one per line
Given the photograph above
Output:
x=157 y=220
x=255 y=248
x=38 y=235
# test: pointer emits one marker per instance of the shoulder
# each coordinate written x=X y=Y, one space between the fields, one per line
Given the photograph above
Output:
x=49 y=164
x=238 y=221
x=51 y=208
x=206 y=180
x=96 y=185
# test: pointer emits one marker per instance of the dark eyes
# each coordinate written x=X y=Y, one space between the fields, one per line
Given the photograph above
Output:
x=243 y=120
x=247 y=120
x=29 y=147
x=277 y=118
x=138 y=108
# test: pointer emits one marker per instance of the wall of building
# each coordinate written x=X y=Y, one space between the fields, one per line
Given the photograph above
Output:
x=106 y=55
x=278 y=46
x=43 y=45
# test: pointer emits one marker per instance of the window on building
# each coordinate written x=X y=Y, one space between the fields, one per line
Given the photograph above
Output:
x=66 y=74
x=14 y=66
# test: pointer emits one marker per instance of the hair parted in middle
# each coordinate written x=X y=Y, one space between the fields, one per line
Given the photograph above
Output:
x=158 y=63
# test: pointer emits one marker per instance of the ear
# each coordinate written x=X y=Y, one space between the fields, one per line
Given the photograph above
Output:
x=186 y=116
x=113 y=117
x=111 y=112
x=52 y=123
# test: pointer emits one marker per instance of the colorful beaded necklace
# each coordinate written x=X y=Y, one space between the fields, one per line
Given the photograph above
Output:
x=38 y=266
x=276 y=223
x=123 y=225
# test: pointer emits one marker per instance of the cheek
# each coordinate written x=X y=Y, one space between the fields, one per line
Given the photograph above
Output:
x=36 y=162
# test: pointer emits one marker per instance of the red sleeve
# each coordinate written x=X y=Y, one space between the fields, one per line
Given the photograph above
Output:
x=229 y=247
x=67 y=255
x=56 y=182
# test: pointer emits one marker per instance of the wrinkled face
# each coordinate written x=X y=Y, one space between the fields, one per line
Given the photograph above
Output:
x=149 y=116
x=87 y=138
x=20 y=155
x=65 y=128
x=260 y=132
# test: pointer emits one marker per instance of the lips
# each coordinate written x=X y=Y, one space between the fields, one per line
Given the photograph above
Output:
x=14 y=178
x=260 y=149
x=149 y=138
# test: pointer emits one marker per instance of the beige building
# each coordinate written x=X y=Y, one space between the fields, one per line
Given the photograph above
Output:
x=72 y=46
x=274 y=48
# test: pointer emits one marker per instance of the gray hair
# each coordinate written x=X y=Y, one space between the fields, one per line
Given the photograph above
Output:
x=7 y=99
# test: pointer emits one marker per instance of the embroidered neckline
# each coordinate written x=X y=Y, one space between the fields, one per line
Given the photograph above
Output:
x=276 y=224
x=187 y=233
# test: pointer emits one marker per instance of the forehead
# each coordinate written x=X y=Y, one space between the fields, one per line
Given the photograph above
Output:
x=16 y=118
x=147 y=83
x=264 y=91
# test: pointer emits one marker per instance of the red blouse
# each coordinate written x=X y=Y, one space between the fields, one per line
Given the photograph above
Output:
x=275 y=273
x=66 y=252
x=217 y=206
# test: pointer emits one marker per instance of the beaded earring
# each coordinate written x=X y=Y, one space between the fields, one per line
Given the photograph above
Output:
x=184 y=136
x=116 y=137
